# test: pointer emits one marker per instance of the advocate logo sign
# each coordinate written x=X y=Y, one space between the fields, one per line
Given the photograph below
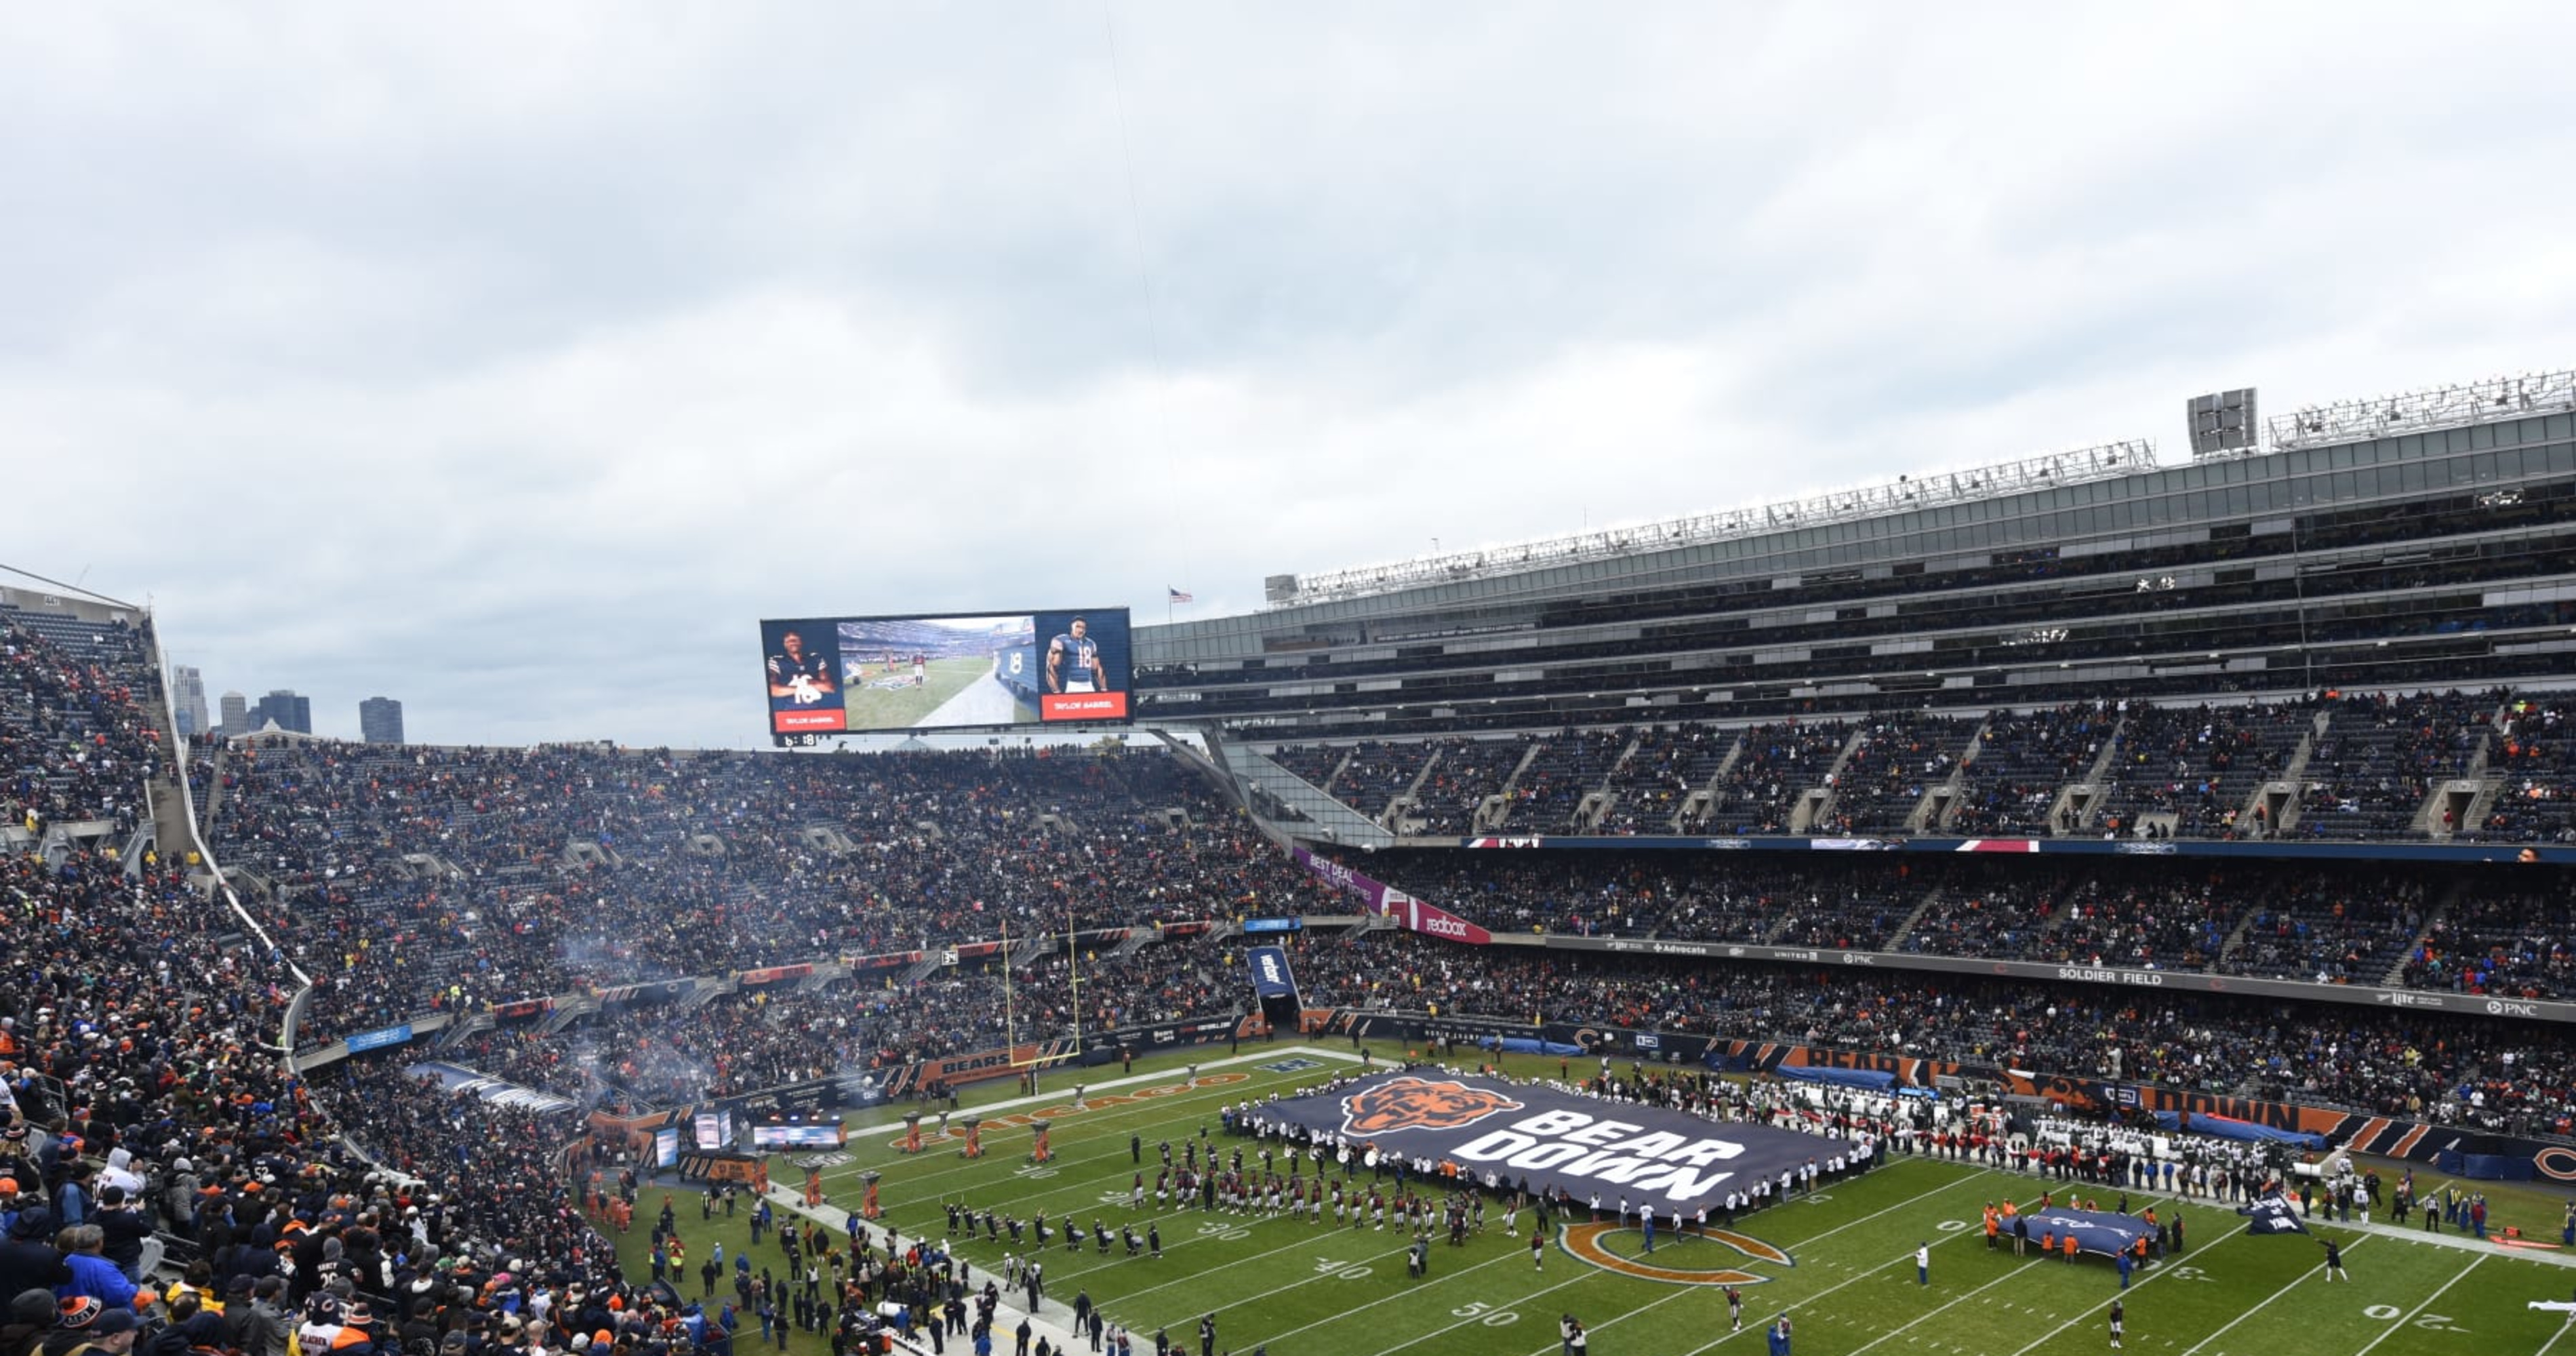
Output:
x=1550 y=1141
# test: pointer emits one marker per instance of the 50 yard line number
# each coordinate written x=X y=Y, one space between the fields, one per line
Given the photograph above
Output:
x=1486 y=1314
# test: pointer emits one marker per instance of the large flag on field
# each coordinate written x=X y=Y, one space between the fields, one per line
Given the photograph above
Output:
x=1522 y=1132
x=2106 y=1232
x=2271 y=1215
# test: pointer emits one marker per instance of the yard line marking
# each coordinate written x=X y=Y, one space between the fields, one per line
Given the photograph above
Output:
x=1810 y=1301
x=2014 y=1274
x=1203 y=1274
x=1978 y=1176
x=2553 y=1337
x=1588 y=1273
x=2294 y=1284
x=1117 y=1116
x=2427 y=1304
x=1414 y=1341
x=2160 y=1273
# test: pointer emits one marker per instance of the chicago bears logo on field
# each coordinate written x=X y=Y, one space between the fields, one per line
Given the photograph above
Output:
x=1589 y=1242
x=1410 y=1103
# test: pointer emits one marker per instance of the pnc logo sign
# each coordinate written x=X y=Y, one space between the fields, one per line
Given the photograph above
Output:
x=1590 y=1243
x=1411 y=1103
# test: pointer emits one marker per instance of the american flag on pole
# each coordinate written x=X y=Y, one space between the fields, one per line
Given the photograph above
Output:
x=1177 y=595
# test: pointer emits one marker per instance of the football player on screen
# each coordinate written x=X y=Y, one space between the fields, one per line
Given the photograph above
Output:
x=795 y=677
x=1073 y=661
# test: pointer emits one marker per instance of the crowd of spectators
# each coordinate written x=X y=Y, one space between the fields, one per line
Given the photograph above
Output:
x=2199 y=765
x=1779 y=761
x=74 y=745
x=137 y=1016
x=1377 y=773
x=148 y=1113
x=1463 y=774
x=506 y=874
x=650 y=1050
x=1898 y=759
x=1666 y=766
x=2171 y=771
x=1549 y=793
x=2535 y=754
x=2498 y=1076
x=2329 y=928
x=2515 y=944
x=2381 y=756
x=2024 y=759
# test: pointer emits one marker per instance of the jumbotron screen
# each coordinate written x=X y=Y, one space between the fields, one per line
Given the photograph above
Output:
x=856 y=675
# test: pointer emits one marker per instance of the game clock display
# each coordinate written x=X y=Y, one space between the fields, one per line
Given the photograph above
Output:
x=974 y=671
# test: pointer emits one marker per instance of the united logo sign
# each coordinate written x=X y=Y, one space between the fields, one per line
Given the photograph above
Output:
x=1479 y=1127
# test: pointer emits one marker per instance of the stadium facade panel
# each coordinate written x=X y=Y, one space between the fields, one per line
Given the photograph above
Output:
x=2442 y=557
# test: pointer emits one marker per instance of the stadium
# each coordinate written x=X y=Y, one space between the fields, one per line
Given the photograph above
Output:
x=1772 y=925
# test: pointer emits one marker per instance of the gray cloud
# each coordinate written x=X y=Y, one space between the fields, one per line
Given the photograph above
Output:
x=513 y=360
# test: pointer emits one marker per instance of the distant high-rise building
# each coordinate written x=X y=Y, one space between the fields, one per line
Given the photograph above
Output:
x=188 y=700
x=236 y=710
x=380 y=720
x=287 y=710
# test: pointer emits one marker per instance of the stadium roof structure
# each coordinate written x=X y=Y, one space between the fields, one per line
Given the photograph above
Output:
x=1906 y=492
x=2482 y=402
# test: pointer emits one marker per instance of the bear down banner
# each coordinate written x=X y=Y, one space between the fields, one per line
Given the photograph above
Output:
x=1678 y=1163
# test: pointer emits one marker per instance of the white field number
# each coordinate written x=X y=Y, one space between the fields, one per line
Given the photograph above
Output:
x=1228 y=1232
x=1348 y=1271
x=1486 y=1314
x=2388 y=1313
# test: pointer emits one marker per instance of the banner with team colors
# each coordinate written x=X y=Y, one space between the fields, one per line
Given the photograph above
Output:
x=2271 y=1215
x=1270 y=976
x=1674 y=1162
x=1390 y=902
x=2094 y=1231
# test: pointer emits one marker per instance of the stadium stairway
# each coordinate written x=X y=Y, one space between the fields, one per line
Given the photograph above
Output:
x=568 y=1010
x=2065 y=903
x=2396 y=976
x=1814 y=803
x=2279 y=797
x=214 y=789
x=2236 y=938
x=1137 y=939
x=1332 y=821
x=1940 y=802
x=1895 y=941
x=1701 y=803
x=2479 y=785
x=1496 y=810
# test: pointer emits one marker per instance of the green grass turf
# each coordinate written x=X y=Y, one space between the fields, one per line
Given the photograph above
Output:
x=1308 y=1290
x=875 y=708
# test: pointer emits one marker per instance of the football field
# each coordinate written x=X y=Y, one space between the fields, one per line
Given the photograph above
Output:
x=885 y=699
x=1849 y=1283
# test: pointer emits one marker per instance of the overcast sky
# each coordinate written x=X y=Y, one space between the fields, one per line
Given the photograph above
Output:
x=513 y=360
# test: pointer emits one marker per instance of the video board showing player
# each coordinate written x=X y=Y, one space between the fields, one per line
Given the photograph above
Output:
x=986 y=670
